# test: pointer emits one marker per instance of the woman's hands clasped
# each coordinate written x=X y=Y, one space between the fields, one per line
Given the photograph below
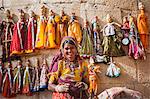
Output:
x=62 y=88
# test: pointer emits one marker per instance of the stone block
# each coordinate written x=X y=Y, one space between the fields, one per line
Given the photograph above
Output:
x=124 y=4
x=143 y=70
x=144 y=89
x=13 y=3
x=90 y=10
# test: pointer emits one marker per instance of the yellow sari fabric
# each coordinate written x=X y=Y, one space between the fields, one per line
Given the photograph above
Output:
x=63 y=72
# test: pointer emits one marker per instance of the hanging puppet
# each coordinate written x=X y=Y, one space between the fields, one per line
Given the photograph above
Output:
x=87 y=43
x=96 y=36
x=43 y=76
x=17 y=81
x=1 y=74
x=19 y=34
x=27 y=76
x=74 y=29
x=136 y=49
x=143 y=26
x=41 y=35
x=125 y=27
x=7 y=87
x=111 y=45
x=51 y=31
x=63 y=24
x=7 y=34
x=93 y=70
x=125 y=30
x=32 y=29
x=36 y=77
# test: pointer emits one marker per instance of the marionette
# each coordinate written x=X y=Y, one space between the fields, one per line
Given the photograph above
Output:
x=7 y=33
x=7 y=87
x=19 y=34
x=41 y=35
x=125 y=26
x=142 y=25
x=63 y=24
x=43 y=76
x=27 y=76
x=93 y=70
x=74 y=29
x=32 y=29
x=96 y=36
x=136 y=49
x=17 y=81
x=87 y=44
x=51 y=31
x=1 y=74
x=113 y=70
x=36 y=77
x=111 y=45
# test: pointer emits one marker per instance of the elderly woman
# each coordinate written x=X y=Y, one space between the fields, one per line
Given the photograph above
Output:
x=70 y=80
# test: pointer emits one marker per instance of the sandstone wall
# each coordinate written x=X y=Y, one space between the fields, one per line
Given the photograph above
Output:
x=135 y=74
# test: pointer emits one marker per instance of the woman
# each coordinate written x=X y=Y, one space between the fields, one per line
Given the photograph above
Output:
x=70 y=80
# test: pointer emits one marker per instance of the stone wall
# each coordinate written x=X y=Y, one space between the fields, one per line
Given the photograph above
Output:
x=134 y=74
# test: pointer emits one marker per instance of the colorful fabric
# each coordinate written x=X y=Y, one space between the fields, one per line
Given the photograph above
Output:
x=27 y=87
x=41 y=35
x=7 y=89
x=87 y=44
x=142 y=23
x=18 y=39
x=35 y=79
x=64 y=26
x=17 y=81
x=96 y=38
x=74 y=31
x=145 y=40
x=51 y=33
x=7 y=37
x=111 y=45
x=1 y=77
x=30 y=39
x=43 y=77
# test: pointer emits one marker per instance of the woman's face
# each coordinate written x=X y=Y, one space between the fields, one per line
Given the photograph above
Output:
x=70 y=52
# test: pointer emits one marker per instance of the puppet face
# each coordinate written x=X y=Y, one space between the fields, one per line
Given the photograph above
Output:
x=69 y=52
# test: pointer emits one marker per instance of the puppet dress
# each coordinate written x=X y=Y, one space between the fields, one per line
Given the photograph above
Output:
x=17 y=44
x=63 y=26
x=136 y=49
x=41 y=35
x=7 y=87
x=96 y=38
x=110 y=44
x=35 y=79
x=87 y=44
x=143 y=29
x=74 y=31
x=1 y=77
x=43 y=77
x=64 y=75
x=17 y=81
x=27 y=84
x=30 y=39
x=51 y=33
x=7 y=37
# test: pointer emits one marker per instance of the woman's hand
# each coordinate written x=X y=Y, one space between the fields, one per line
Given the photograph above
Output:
x=62 y=88
x=82 y=85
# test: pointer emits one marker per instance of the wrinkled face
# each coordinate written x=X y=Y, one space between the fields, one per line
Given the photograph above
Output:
x=70 y=51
